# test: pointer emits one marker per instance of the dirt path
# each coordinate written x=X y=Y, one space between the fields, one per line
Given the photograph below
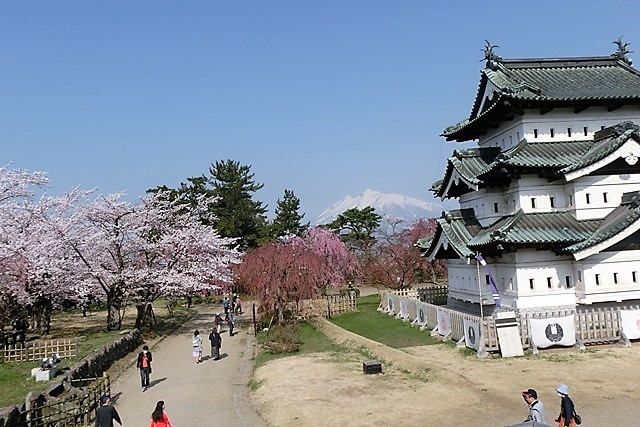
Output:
x=212 y=393
x=424 y=386
x=437 y=386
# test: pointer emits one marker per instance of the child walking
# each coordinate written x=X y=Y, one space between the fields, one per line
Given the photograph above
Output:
x=196 y=344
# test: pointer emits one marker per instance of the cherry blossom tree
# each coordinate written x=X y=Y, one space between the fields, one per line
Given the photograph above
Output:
x=280 y=272
x=295 y=268
x=343 y=263
x=396 y=262
x=136 y=253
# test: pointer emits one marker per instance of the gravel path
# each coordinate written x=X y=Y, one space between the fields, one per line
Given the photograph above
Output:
x=212 y=393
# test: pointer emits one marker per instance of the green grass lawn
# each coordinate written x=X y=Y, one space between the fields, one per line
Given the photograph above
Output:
x=370 y=323
x=311 y=341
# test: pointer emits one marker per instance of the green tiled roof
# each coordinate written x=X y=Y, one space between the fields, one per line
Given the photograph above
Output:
x=468 y=164
x=617 y=221
x=485 y=165
x=534 y=83
x=458 y=226
x=550 y=229
x=606 y=142
x=558 y=231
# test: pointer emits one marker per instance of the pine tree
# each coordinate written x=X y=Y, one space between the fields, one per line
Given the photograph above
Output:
x=288 y=219
x=236 y=213
x=356 y=227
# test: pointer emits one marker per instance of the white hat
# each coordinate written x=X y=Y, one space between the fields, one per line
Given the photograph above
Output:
x=563 y=389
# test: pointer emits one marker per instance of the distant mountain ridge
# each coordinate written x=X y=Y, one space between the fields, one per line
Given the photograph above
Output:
x=391 y=205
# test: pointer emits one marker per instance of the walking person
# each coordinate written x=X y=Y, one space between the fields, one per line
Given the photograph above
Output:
x=536 y=408
x=225 y=304
x=144 y=364
x=196 y=344
x=106 y=413
x=218 y=322
x=567 y=409
x=159 y=418
x=230 y=323
x=216 y=342
x=238 y=305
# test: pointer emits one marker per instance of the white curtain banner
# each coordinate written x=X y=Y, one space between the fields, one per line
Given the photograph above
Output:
x=421 y=313
x=471 y=334
x=630 y=320
x=396 y=304
x=411 y=305
x=404 y=307
x=553 y=331
x=444 y=323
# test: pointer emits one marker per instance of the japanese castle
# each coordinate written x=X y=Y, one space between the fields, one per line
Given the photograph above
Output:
x=550 y=198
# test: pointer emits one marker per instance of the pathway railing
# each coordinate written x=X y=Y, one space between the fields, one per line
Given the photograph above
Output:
x=78 y=410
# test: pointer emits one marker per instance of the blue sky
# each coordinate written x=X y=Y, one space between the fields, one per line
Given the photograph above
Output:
x=326 y=98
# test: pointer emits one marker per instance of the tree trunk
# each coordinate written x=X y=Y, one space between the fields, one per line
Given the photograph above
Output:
x=114 y=303
x=280 y=309
x=141 y=315
x=43 y=308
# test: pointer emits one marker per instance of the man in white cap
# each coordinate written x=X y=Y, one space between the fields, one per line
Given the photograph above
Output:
x=536 y=408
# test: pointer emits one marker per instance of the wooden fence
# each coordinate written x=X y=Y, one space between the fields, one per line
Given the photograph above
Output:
x=38 y=350
x=325 y=306
x=434 y=295
x=71 y=411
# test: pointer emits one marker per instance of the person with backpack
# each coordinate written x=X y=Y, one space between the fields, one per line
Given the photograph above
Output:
x=144 y=364
x=568 y=416
x=196 y=345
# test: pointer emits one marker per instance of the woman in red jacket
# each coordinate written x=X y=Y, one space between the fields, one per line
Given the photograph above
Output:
x=158 y=417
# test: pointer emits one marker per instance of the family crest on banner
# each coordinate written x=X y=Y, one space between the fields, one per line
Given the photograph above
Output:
x=551 y=331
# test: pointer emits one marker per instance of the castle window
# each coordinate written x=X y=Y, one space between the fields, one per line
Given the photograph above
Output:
x=634 y=276
x=570 y=200
x=531 y=283
x=495 y=207
x=518 y=136
x=585 y=130
x=615 y=278
x=604 y=197
x=597 y=279
x=552 y=202
x=567 y=281
x=551 y=132
x=579 y=276
x=533 y=202
x=535 y=133
x=487 y=279
x=588 y=197
x=601 y=127
x=569 y=132
x=549 y=282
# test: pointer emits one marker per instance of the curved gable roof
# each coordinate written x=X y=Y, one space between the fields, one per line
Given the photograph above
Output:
x=555 y=82
x=620 y=223
x=465 y=165
x=606 y=149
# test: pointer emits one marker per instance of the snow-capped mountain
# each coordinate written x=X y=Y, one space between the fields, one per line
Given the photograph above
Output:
x=386 y=204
